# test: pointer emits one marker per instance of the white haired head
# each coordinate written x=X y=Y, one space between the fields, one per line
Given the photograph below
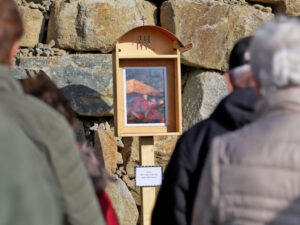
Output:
x=275 y=54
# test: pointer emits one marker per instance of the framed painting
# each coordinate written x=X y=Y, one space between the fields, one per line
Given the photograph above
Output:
x=146 y=99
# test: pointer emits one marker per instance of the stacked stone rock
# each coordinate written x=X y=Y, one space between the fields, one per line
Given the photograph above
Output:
x=72 y=40
x=41 y=50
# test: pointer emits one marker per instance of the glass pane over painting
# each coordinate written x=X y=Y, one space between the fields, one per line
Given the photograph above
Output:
x=145 y=94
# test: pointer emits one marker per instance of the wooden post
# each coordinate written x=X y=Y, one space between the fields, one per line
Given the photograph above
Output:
x=147 y=193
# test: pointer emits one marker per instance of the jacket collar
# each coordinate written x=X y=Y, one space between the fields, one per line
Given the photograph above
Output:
x=237 y=109
x=286 y=99
x=7 y=82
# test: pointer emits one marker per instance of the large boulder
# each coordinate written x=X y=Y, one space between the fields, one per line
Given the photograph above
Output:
x=106 y=149
x=134 y=190
x=86 y=79
x=290 y=7
x=213 y=28
x=33 y=22
x=202 y=93
x=123 y=202
x=94 y=25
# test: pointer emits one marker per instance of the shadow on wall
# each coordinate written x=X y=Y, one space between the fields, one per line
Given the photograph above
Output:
x=86 y=101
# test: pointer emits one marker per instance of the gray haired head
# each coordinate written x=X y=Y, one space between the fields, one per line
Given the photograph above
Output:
x=275 y=54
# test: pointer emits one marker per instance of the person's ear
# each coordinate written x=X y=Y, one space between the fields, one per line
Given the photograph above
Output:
x=12 y=53
x=229 y=82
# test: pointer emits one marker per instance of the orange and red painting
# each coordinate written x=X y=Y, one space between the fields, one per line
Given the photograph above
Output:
x=146 y=95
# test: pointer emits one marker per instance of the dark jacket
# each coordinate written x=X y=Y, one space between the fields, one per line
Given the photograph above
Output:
x=176 y=196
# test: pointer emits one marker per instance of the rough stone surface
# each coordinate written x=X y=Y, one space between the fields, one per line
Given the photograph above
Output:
x=106 y=144
x=123 y=202
x=120 y=142
x=290 y=7
x=135 y=191
x=119 y=159
x=202 y=92
x=163 y=149
x=33 y=22
x=41 y=50
x=86 y=80
x=130 y=154
x=165 y=144
x=37 y=1
x=94 y=25
x=212 y=28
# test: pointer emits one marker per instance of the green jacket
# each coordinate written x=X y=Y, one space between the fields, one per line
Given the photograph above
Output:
x=43 y=174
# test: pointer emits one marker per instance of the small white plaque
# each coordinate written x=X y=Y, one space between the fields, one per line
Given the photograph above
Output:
x=148 y=176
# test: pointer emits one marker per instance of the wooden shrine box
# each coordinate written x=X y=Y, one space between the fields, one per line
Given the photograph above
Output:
x=147 y=83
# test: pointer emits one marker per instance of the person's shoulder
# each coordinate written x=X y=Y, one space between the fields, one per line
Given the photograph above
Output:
x=234 y=142
x=43 y=111
x=36 y=117
x=244 y=133
x=194 y=139
x=198 y=127
x=200 y=130
x=48 y=118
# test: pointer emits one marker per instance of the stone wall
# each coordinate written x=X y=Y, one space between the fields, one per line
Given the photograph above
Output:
x=72 y=40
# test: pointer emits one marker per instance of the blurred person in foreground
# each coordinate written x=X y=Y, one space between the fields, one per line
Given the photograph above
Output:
x=252 y=176
x=47 y=182
x=44 y=89
x=27 y=195
x=176 y=196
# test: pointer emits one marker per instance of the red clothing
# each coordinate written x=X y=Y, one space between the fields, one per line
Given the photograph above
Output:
x=107 y=209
